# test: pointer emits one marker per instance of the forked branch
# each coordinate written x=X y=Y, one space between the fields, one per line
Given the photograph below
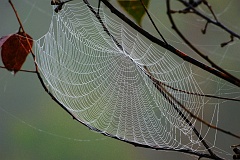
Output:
x=174 y=27
x=209 y=20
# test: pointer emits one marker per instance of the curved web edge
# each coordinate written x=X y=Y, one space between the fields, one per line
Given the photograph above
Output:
x=106 y=88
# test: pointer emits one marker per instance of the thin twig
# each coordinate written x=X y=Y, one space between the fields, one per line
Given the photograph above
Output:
x=198 y=94
x=149 y=16
x=21 y=70
x=210 y=8
x=217 y=23
x=174 y=27
x=99 y=4
x=191 y=9
x=20 y=23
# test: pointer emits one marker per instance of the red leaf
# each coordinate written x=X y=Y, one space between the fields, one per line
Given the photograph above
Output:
x=15 y=49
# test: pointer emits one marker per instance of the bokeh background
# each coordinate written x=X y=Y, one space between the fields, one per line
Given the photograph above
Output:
x=33 y=126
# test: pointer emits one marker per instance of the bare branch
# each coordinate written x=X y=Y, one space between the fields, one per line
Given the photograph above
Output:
x=214 y=22
x=153 y=22
x=174 y=26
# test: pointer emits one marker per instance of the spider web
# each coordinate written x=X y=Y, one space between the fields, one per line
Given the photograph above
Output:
x=107 y=88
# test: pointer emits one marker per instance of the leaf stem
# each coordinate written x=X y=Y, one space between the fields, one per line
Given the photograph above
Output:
x=16 y=14
x=20 y=23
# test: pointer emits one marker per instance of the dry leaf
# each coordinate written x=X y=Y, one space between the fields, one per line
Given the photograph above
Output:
x=15 y=49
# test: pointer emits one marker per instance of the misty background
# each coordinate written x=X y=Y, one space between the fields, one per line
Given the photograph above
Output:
x=33 y=126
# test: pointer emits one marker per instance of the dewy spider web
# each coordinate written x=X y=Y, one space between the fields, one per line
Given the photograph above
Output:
x=107 y=89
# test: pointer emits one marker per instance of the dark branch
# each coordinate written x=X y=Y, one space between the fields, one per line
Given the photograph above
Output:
x=153 y=22
x=214 y=22
x=170 y=48
x=226 y=43
x=99 y=4
x=174 y=26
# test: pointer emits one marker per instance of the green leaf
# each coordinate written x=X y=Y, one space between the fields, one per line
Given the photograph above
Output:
x=134 y=8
